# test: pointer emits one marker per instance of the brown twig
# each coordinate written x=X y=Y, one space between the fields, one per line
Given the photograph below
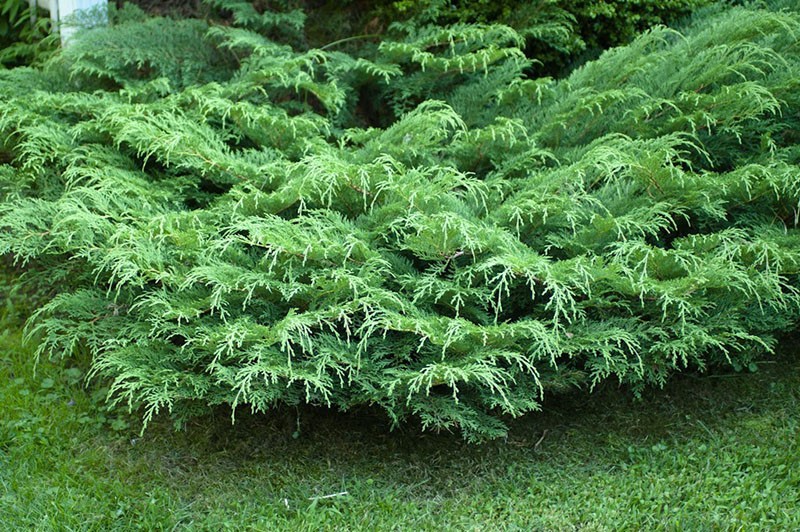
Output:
x=539 y=442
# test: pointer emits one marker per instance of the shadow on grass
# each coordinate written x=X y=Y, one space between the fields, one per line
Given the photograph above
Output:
x=601 y=430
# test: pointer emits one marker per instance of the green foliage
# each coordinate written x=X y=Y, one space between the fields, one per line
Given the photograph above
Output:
x=557 y=31
x=424 y=229
x=719 y=451
x=13 y=14
x=21 y=40
x=32 y=396
x=604 y=23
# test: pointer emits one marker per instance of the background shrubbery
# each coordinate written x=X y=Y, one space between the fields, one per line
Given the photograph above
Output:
x=232 y=217
x=557 y=33
x=21 y=39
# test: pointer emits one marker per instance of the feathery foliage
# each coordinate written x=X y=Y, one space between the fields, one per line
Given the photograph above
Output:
x=557 y=32
x=243 y=222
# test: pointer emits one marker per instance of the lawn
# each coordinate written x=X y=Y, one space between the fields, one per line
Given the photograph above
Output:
x=717 y=451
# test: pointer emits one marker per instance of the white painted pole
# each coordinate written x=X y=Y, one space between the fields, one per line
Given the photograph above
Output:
x=64 y=9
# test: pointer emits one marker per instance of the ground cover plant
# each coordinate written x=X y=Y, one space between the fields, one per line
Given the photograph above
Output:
x=233 y=219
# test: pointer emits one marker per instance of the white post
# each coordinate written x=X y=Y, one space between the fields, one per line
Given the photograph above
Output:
x=63 y=9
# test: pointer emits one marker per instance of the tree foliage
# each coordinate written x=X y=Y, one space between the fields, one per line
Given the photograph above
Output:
x=231 y=220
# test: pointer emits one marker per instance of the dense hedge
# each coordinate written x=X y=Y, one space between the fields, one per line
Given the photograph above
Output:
x=425 y=230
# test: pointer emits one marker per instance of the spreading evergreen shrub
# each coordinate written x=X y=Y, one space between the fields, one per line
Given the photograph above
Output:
x=232 y=221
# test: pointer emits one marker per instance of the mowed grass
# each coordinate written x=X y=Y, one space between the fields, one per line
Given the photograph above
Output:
x=707 y=452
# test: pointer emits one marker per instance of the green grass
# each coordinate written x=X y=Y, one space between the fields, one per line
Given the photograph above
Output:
x=714 y=452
